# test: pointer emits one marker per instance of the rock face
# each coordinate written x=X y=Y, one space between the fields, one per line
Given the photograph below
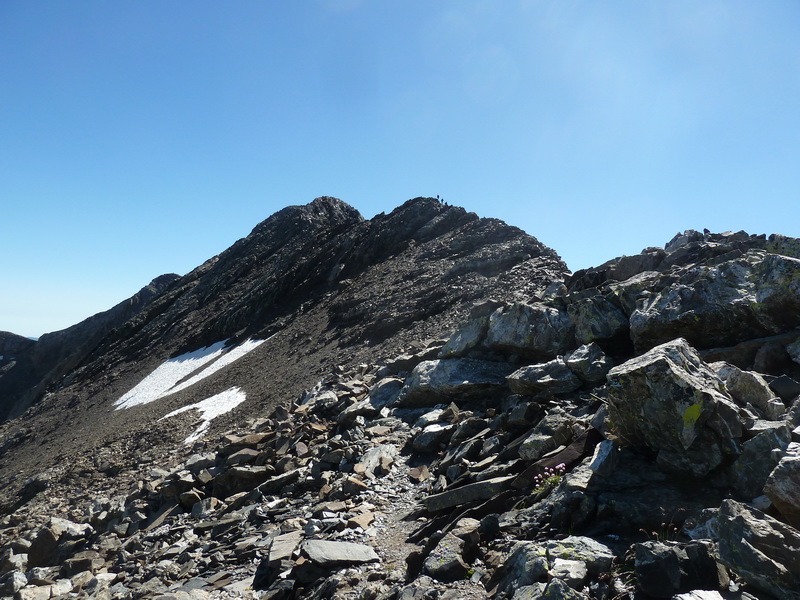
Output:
x=426 y=407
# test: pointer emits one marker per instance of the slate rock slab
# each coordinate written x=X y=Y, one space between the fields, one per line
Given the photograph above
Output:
x=433 y=381
x=328 y=553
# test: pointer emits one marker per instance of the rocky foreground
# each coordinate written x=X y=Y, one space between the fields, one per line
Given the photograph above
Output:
x=635 y=433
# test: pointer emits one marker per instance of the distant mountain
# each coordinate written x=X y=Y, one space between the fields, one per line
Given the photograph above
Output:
x=28 y=367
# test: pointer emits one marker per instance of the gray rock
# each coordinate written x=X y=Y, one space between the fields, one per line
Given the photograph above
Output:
x=330 y=554
x=530 y=592
x=469 y=337
x=534 y=331
x=197 y=462
x=374 y=460
x=12 y=583
x=383 y=394
x=434 y=381
x=759 y=457
x=699 y=595
x=553 y=376
x=605 y=458
x=554 y=430
x=42 y=592
x=597 y=557
x=571 y=572
x=429 y=439
x=783 y=485
x=589 y=362
x=467 y=494
x=445 y=562
x=658 y=570
x=760 y=549
x=669 y=400
x=525 y=565
x=746 y=387
x=595 y=317
x=11 y=561
x=751 y=296
x=793 y=350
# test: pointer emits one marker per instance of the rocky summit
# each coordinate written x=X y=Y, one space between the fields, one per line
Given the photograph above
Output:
x=423 y=405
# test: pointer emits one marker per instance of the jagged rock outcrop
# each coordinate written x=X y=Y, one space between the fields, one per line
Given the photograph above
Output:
x=549 y=447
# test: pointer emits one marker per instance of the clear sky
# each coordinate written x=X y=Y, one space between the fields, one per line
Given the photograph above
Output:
x=140 y=138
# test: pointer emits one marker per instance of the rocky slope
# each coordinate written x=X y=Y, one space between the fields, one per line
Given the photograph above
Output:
x=629 y=431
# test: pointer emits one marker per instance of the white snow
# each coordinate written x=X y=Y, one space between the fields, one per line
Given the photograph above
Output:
x=161 y=381
x=210 y=408
x=226 y=359
x=165 y=379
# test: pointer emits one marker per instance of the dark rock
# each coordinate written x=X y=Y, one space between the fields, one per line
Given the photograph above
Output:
x=760 y=549
x=783 y=485
x=595 y=318
x=467 y=494
x=759 y=457
x=786 y=388
x=445 y=562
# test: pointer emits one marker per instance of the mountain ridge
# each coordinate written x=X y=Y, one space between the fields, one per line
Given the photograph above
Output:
x=424 y=405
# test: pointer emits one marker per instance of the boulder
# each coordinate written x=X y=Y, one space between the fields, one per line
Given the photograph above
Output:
x=597 y=557
x=553 y=376
x=759 y=457
x=467 y=494
x=589 y=362
x=666 y=568
x=746 y=387
x=525 y=565
x=534 y=331
x=669 y=400
x=554 y=430
x=433 y=381
x=754 y=295
x=658 y=569
x=595 y=318
x=760 y=549
x=469 y=337
x=783 y=485
x=793 y=350
x=446 y=562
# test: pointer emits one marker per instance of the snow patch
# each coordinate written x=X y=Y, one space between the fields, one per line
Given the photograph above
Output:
x=211 y=408
x=226 y=359
x=168 y=378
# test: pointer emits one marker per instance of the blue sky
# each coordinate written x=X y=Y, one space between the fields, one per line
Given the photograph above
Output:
x=139 y=138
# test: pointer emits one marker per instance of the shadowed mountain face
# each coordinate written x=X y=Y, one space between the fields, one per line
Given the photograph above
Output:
x=321 y=283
